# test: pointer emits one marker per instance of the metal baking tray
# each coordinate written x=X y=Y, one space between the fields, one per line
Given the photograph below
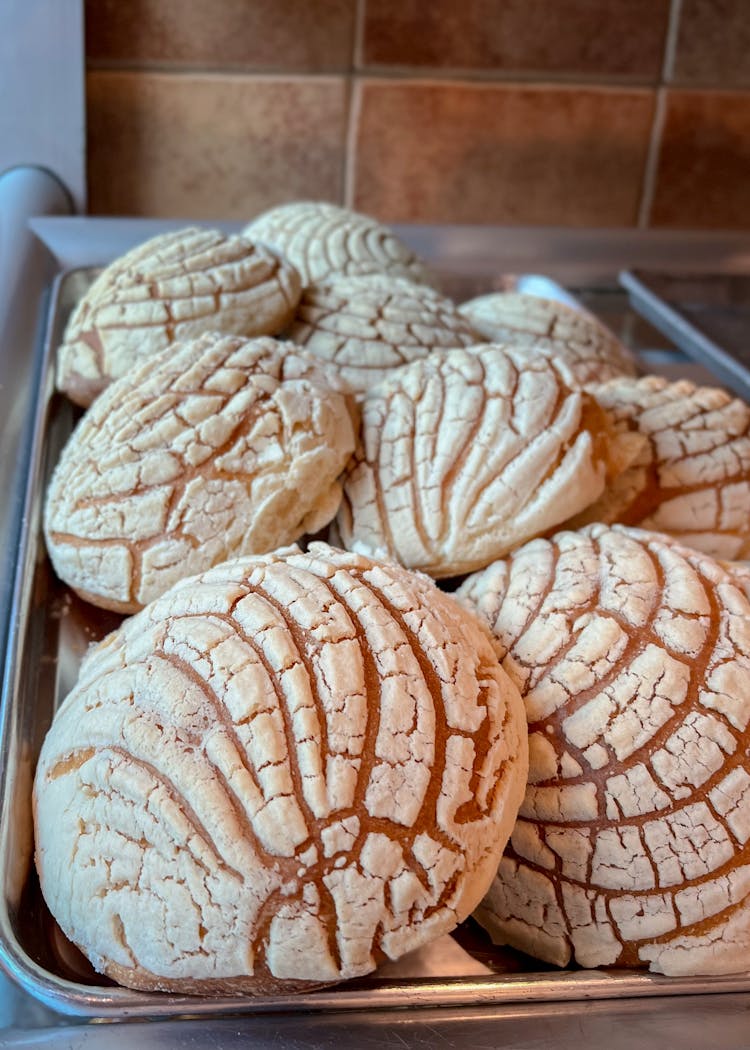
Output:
x=50 y=629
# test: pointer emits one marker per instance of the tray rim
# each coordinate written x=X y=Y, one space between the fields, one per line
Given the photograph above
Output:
x=117 y=1003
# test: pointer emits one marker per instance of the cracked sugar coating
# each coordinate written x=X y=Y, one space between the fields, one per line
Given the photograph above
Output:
x=367 y=326
x=467 y=453
x=324 y=240
x=288 y=769
x=219 y=446
x=591 y=351
x=176 y=286
x=632 y=848
x=692 y=479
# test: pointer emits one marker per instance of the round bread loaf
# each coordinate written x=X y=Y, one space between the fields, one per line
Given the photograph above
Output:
x=285 y=770
x=324 y=240
x=591 y=351
x=692 y=478
x=467 y=453
x=176 y=286
x=367 y=326
x=219 y=446
x=632 y=847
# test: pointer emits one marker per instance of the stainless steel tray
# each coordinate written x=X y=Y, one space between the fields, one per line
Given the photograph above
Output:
x=50 y=629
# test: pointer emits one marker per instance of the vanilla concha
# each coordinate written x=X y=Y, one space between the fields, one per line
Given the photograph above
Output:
x=325 y=240
x=466 y=453
x=176 y=286
x=217 y=447
x=632 y=847
x=367 y=326
x=591 y=351
x=283 y=771
x=692 y=476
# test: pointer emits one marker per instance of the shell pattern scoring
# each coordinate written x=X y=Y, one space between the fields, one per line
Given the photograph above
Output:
x=692 y=478
x=324 y=240
x=176 y=286
x=469 y=452
x=591 y=351
x=366 y=326
x=219 y=446
x=289 y=768
x=632 y=848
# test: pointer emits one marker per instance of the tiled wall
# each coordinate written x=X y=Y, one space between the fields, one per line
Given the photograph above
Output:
x=556 y=112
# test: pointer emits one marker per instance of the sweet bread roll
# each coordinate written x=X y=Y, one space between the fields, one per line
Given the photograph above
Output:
x=324 y=240
x=692 y=478
x=367 y=326
x=288 y=769
x=590 y=350
x=632 y=654
x=467 y=453
x=175 y=286
x=217 y=447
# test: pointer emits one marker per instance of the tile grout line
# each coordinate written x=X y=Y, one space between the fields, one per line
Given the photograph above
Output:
x=670 y=43
x=353 y=105
x=648 y=187
x=417 y=74
x=350 y=152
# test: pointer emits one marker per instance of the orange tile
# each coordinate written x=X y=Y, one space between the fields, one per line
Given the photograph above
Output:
x=500 y=153
x=704 y=160
x=713 y=43
x=212 y=147
x=620 y=37
x=223 y=34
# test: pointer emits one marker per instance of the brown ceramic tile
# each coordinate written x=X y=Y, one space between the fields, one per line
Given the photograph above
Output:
x=262 y=34
x=713 y=43
x=212 y=147
x=702 y=175
x=490 y=153
x=620 y=37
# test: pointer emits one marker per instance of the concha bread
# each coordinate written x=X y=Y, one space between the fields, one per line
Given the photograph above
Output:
x=692 y=478
x=285 y=770
x=632 y=848
x=366 y=326
x=176 y=286
x=591 y=351
x=217 y=447
x=324 y=240
x=467 y=453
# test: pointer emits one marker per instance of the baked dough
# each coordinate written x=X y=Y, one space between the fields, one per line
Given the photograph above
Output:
x=632 y=653
x=467 y=453
x=285 y=770
x=324 y=240
x=367 y=326
x=692 y=478
x=591 y=351
x=175 y=286
x=218 y=446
